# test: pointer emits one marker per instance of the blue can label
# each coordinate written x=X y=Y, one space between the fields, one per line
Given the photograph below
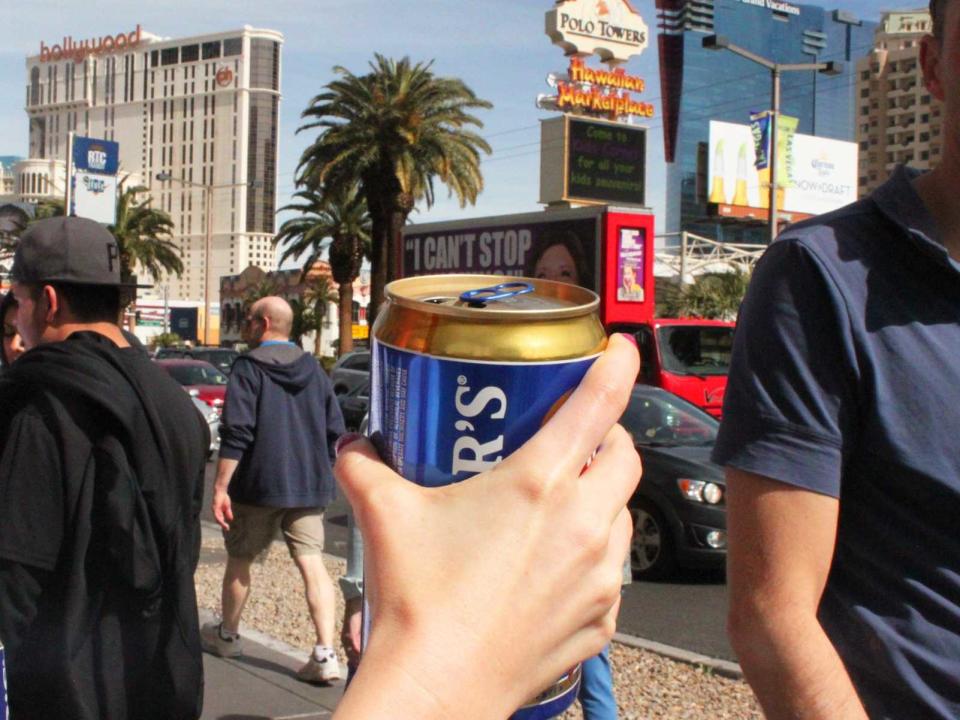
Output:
x=443 y=420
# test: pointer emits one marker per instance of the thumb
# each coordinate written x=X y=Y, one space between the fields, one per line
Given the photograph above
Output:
x=367 y=481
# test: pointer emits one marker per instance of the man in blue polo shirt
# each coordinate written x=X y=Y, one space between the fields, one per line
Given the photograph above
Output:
x=840 y=441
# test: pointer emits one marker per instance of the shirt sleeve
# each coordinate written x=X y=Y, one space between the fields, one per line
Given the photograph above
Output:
x=31 y=493
x=790 y=409
x=239 y=419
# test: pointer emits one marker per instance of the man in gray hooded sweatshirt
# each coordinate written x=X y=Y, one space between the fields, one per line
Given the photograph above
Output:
x=277 y=435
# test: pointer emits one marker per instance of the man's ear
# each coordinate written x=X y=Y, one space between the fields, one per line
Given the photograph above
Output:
x=930 y=49
x=54 y=309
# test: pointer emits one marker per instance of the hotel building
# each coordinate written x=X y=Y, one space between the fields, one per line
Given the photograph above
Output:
x=191 y=115
x=898 y=122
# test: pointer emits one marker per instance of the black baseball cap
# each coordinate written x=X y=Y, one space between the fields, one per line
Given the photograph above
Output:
x=69 y=250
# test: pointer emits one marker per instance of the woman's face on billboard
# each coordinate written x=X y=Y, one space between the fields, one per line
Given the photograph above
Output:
x=557 y=263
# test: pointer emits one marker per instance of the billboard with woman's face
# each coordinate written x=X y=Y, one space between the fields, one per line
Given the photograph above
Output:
x=565 y=249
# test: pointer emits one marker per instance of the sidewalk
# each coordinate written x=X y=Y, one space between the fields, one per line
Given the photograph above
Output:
x=262 y=684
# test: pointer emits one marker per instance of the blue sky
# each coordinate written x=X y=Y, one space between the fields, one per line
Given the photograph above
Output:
x=498 y=47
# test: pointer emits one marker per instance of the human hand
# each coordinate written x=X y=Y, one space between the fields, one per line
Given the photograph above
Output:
x=350 y=634
x=484 y=592
x=222 y=507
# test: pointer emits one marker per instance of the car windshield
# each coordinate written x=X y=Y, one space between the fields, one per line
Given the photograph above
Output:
x=659 y=418
x=217 y=357
x=696 y=349
x=197 y=375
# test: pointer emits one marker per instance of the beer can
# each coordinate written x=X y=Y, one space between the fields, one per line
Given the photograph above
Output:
x=466 y=369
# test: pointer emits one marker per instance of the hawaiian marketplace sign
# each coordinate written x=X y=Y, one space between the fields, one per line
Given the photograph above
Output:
x=605 y=93
x=610 y=29
x=70 y=49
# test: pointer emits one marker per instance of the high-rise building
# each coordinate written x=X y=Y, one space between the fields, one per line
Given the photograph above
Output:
x=898 y=121
x=195 y=118
x=699 y=85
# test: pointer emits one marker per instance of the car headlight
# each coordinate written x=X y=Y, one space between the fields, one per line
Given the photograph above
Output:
x=212 y=417
x=701 y=491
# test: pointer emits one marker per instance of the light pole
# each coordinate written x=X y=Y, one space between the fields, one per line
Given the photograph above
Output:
x=720 y=42
x=208 y=240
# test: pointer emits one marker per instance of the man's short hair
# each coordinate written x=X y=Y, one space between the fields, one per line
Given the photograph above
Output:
x=938 y=9
x=86 y=303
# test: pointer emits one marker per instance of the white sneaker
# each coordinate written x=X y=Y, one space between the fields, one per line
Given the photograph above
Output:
x=213 y=641
x=325 y=669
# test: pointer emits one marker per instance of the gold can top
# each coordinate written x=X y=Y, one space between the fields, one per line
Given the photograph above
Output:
x=494 y=297
x=491 y=318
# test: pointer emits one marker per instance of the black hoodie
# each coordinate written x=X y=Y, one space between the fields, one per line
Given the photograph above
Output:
x=281 y=420
x=101 y=485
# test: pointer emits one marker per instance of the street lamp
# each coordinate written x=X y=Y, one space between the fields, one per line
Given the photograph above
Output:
x=720 y=42
x=208 y=241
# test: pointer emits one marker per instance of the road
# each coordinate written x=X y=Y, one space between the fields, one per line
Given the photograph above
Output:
x=688 y=612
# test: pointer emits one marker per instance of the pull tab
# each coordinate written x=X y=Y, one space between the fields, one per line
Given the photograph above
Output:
x=481 y=296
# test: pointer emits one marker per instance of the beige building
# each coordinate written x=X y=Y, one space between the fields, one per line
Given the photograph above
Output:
x=898 y=122
x=195 y=118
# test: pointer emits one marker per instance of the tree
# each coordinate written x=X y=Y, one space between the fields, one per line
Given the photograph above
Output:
x=143 y=236
x=318 y=296
x=337 y=220
x=393 y=131
x=715 y=296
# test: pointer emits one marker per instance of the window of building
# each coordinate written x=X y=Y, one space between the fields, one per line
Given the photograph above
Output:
x=232 y=46
x=154 y=58
x=170 y=56
x=189 y=53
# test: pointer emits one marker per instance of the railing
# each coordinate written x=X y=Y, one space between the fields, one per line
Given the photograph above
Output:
x=696 y=255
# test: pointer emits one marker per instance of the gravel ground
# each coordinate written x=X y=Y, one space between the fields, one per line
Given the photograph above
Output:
x=647 y=685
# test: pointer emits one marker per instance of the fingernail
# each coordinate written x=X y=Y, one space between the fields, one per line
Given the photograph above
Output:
x=631 y=338
x=345 y=440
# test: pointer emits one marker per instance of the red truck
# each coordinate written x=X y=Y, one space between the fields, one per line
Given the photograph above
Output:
x=607 y=249
x=689 y=357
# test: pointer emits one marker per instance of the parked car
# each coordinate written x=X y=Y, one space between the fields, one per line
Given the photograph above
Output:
x=212 y=418
x=354 y=405
x=210 y=384
x=679 y=510
x=220 y=358
x=350 y=371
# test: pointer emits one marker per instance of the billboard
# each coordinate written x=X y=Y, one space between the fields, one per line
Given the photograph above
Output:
x=94 y=197
x=565 y=249
x=93 y=185
x=590 y=161
x=820 y=173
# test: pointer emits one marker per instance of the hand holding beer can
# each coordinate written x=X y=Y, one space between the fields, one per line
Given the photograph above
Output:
x=466 y=369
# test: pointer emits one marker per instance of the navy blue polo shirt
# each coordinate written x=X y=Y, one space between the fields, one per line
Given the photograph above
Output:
x=845 y=381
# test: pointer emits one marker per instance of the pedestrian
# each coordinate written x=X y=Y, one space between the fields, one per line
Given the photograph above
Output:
x=101 y=485
x=12 y=345
x=278 y=431
x=839 y=437
x=531 y=546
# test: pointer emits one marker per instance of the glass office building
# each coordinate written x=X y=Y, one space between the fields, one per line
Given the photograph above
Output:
x=699 y=85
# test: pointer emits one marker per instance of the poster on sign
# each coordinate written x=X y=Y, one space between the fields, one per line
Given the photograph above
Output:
x=564 y=250
x=94 y=196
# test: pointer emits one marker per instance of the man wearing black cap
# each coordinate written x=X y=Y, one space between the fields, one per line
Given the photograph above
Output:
x=101 y=484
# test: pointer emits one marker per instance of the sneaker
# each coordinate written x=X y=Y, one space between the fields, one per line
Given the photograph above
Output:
x=213 y=641
x=325 y=669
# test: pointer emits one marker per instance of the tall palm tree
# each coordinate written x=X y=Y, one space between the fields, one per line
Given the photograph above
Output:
x=143 y=236
x=715 y=296
x=337 y=219
x=394 y=131
x=318 y=296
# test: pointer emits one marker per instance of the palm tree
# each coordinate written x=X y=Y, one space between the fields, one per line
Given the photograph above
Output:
x=712 y=295
x=394 y=131
x=337 y=220
x=142 y=234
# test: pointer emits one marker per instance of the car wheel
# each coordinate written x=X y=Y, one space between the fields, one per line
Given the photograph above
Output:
x=652 y=556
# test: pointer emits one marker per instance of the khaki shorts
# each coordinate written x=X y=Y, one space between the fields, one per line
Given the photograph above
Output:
x=255 y=527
